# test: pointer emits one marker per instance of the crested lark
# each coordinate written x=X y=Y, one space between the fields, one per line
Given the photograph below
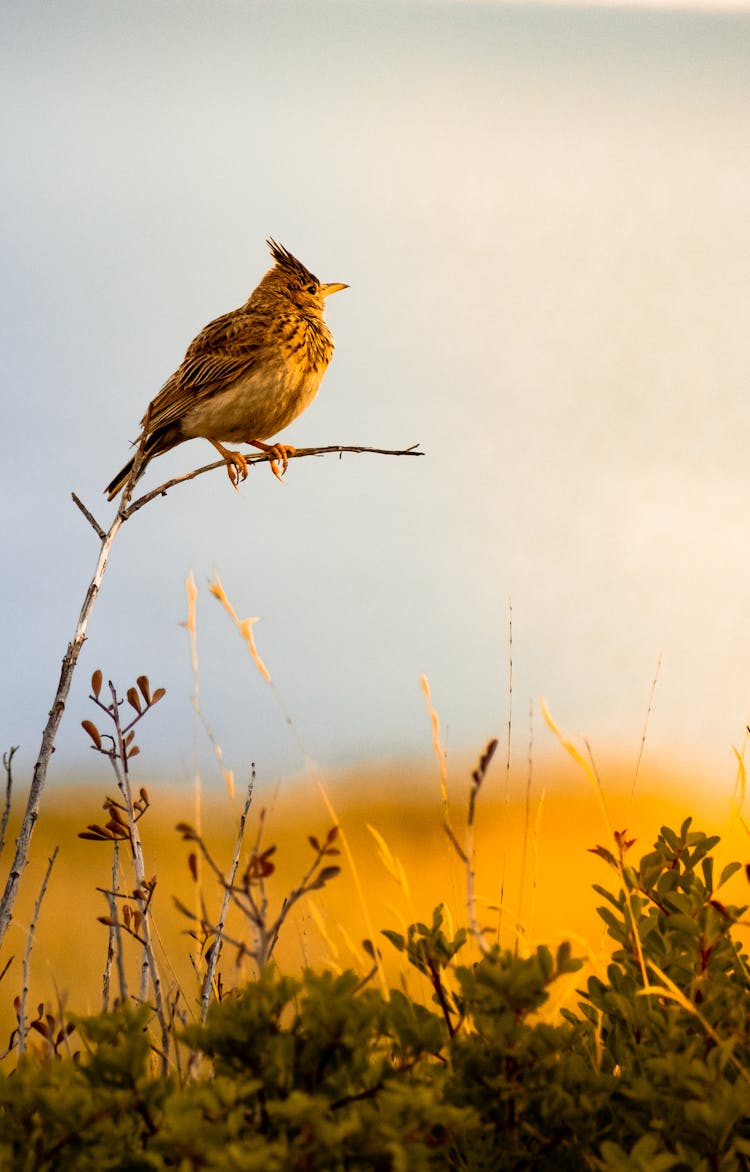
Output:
x=247 y=374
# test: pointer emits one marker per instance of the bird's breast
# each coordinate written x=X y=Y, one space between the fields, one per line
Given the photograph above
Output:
x=266 y=398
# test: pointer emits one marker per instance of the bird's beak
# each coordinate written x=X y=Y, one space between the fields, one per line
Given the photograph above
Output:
x=327 y=290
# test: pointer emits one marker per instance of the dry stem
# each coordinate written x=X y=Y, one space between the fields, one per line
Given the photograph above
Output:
x=213 y=960
x=8 y=767
x=143 y=888
x=22 y=1027
x=114 y=940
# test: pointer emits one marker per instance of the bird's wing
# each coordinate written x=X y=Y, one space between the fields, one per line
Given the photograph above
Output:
x=222 y=352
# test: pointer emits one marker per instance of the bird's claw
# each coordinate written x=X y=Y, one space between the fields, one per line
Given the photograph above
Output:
x=236 y=468
x=236 y=463
x=279 y=454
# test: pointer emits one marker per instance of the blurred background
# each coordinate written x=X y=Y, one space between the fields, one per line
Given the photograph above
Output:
x=542 y=212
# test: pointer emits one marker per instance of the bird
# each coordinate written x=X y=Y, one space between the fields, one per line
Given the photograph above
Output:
x=246 y=375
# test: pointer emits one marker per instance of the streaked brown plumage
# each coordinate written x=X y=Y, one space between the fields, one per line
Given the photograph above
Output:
x=247 y=374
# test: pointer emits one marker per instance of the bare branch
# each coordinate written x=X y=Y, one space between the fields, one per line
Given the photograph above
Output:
x=477 y=778
x=143 y=888
x=208 y=979
x=89 y=517
x=8 y=767
x=114 y=942
x=261 y=458
x=22 y=1028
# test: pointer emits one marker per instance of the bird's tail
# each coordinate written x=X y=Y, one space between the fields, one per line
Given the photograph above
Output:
x=159 y=441
x=115 y=485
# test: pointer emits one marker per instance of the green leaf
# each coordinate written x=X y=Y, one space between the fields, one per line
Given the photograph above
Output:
x=396 y=939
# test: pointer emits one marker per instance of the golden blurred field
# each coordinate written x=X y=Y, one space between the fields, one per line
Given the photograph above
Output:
x=534 y=852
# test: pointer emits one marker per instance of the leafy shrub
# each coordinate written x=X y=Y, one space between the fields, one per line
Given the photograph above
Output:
x=651 y=1071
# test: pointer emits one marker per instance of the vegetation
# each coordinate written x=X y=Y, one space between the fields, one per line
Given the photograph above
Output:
x=650 y=1069
x=486 y=1058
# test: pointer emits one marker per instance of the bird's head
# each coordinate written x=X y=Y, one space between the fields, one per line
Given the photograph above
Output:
x=289 y=278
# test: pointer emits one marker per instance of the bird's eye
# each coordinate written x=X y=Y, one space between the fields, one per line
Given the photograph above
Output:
x=312 y=288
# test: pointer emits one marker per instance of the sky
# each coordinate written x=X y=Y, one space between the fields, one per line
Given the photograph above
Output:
x=542 y=215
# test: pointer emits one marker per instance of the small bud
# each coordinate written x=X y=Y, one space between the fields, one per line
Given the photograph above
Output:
x=96 y=683
x=134 y=700
x=158 y=695
x=145 y=687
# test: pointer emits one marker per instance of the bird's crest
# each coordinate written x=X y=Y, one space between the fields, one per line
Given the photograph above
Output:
x=284 y=258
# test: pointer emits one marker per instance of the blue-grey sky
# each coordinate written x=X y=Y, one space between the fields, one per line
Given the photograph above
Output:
x=543 y=215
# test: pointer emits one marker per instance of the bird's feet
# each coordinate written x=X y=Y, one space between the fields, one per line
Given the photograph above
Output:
x=237 y=466
x=281 y=454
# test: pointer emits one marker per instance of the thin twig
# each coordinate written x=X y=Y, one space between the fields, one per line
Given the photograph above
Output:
x=22 y=1028
x=8 y=767
x=143 y=889
x=263 y=457
x=307 y=883
x=477 y=778
x=114 y=941
x=654 y=682
x=89 y=517
x=213 y=960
